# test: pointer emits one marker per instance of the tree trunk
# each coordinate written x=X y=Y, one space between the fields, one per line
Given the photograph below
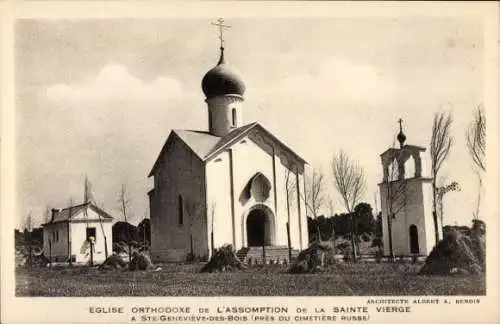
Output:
x=434 y=213
x=91 y=254
x=389 y=228
x=478 y=197
x=212 y=242
x=105 y=248
x=353 y=239
x=30 y=255
x=289 y=242
x=191 y=244
x=69 y=245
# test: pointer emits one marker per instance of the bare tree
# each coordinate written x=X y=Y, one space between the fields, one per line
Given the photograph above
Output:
x=28 y=228
x=289 y=191
x=124 y=200
x=212 y=221
x=331 y=207
x=441 y=192
x=70 y=214
x=440 y=145
x=349 y=180
x=315 y=192
x=48 y=214
x=476 y=143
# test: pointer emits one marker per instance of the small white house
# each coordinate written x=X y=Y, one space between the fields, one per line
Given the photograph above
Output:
x=72 y=229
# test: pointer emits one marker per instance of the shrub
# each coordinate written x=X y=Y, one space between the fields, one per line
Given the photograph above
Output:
x=223 y=260
x=456 y=253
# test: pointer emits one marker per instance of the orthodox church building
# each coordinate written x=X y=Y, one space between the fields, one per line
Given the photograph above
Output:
x=234 y=184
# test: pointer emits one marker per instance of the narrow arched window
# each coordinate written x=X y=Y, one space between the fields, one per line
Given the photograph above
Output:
x=414 y=245
x=234 y=116
x=209 y=120
x=181 y=210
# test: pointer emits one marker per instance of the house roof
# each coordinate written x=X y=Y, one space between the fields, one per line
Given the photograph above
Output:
x=206 y=145
x=68 y=213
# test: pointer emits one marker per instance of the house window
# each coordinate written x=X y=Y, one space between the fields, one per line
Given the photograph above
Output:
x=55 y=236
x=181 y=210
x=90 y=233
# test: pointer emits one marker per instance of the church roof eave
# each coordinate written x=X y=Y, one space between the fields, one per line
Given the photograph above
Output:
x=206 y=146
x=395 y=149
x=173 y=134
x=243 y=133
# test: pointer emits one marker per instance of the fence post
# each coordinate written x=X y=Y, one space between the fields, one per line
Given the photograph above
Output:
x=50 y=253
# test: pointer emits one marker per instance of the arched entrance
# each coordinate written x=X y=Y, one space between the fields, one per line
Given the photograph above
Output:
x=260 y=227
x=414 y=247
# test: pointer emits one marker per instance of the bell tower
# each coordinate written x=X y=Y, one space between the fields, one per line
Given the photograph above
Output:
x=224 y=89
x=406 y=201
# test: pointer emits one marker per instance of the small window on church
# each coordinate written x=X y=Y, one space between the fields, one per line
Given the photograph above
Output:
x=209 y=120
x=181 y=210
x=234 y=116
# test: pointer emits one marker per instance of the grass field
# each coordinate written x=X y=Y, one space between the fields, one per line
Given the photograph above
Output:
x=361 y=279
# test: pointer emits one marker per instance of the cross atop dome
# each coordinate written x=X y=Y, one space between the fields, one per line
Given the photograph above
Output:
x=220 y=24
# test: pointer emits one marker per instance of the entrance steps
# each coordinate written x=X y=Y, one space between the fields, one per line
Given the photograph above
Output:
x=274 y=254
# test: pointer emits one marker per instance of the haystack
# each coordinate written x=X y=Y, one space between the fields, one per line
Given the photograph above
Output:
x=457 y=253
x=314 y=258
x=223 y=260
x=113 y=262
x=140 y=261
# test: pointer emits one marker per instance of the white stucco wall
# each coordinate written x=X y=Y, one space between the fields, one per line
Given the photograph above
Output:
x=81 y=248
x=416 y=210
x=219 y=200
x=221 y=114
x=181 y=173
x=252 y=155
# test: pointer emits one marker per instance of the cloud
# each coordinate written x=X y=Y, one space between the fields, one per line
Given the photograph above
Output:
x=114 y=82
x=109 y=127
x=340 y=80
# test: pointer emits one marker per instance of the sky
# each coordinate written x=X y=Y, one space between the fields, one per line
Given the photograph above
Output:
x=98 y=98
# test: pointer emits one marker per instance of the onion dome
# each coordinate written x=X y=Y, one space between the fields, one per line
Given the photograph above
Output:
x=401 y=136
x=222 y=80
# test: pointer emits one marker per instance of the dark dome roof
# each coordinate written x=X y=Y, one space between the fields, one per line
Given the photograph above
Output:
x=222 y=80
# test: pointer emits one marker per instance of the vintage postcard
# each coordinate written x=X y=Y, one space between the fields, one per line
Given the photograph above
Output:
x=250 y=162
